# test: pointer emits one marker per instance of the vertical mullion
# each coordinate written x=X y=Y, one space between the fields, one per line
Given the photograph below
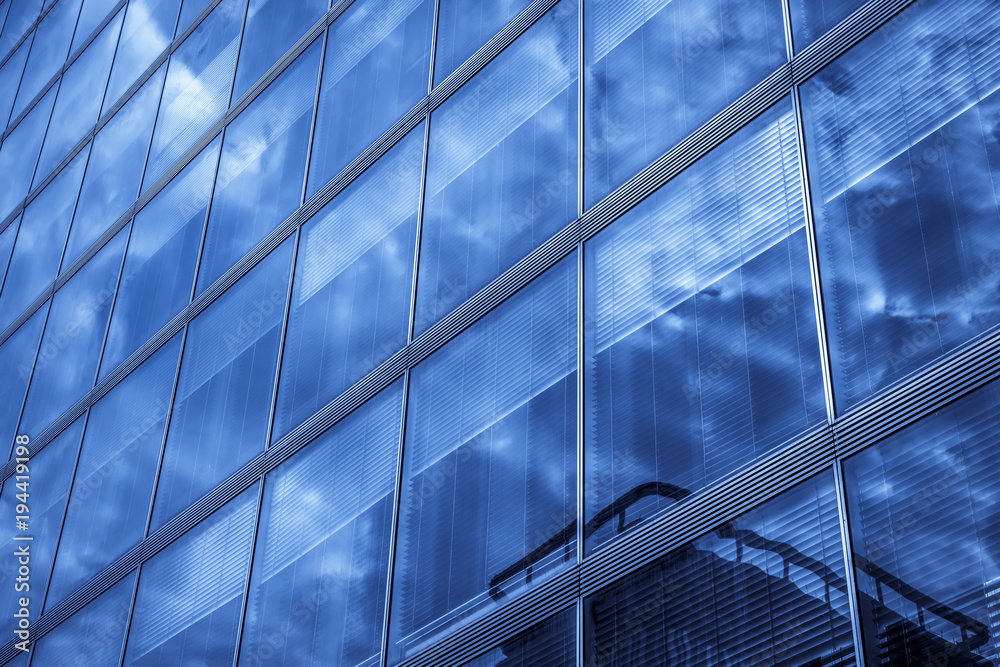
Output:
x=580 y=497
x=239 y=48
x=34 y=362
x=17 y=88
x=128 y=618
x=114 y=300
x=433 y=55
x=246 y=581
x=325 y=37
x=268 y=435
x=848 y=552
x=420 y=226
x=580 y=152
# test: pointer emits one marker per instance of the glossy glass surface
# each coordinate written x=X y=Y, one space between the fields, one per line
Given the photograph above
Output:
x=111 y=492
x=91 y=14
x=223 y=402
x=551 y=642
x=501 y=166
x=146 y=32
x=10 y=79
x=767 y=588
x=701 y=341
x=189 y=10
x=262 y=168
x=48 y=51
x=20 y=16
x=190 y=594
x=19 y=153
x=904 y=160
x=377 y=67
x=923 y=507
x=465 y=25
x=17 y=357
x=353 y=278
x=812 y=18
x=655 y=70
x=490 y=463
x=7 y=237
x=317 y=593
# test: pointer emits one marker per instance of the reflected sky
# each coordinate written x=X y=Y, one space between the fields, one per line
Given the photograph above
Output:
x=148 y=29
x=812 y=18
x=20 y=16
x=10 y=77
x=49 y=49
x=465 y=25
x=17 y=356
x=20 y=151
x=91 y=15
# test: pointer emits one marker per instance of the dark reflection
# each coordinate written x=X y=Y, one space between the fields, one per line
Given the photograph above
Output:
x=465 y=25
x=551 y=643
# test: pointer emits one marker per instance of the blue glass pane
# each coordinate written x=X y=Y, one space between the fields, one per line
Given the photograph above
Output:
x=701 y=336
x=223 y=402
x=160 y=260
x=10 y=78
x=92 y=636
x=77 y=105
x=20 y=16
x=262 y=168
x=317 y=596
x=465 y=25
x=46 y=483
x=656 y=70
x=115 y=167
x=353 y=278
x=7 y=237
x=767 y=588
x=196 y=91
x=189 y=9
x=551 y=642
x=67 y=359
x=502 y=163
x=923 y=514
x=111 y=492
x=187 y=608
x=904 y=162
x=148 y=29
x=91 y=15
x=48 y=51
x=17 y=356
x=272 y=27
x=377 y=62
x=490 y=463
x=812 y=18
x=34 y=263
x=20 y=152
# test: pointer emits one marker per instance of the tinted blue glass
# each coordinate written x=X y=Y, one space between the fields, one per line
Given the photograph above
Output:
x=7 y=237
x=46 y=483
x=93 y=635
x=111 y=492
x=223 y=402
x=702 y=340
x=501 y=170
x=191 y=593
x=767 y=588
x=10 y=78
x=272 y=27
x=148 y=29
x=490 y=462
x=48 y=51
x=79 y=100
x=91 y=15
x=353 y=278
x=196 y=91
x=262 y=168
x=812 y=18
x=465 y=25
x=904 y=160
x=115 y=167
x=67 y=359
x=160 y=260
x=377 y=61
x=317 y=595
x=17 y=356
x=656 y=70
x=20 y=16
x=189 y=9
x=923 y=506
x=20 y=152
x=40 y=241
x=551 y=642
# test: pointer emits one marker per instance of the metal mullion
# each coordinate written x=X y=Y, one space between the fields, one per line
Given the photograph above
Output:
x=246 y=581
x=848 y=553
x=580 y=101
x=434 y=34
x=239 y=49
x=420 y=225
x=111 y=310
x=325 y=37
x=286 y=316
x=579 y=639
x=27 y=386
x=786 y=16
x=131 y=611
x=580 y=403
x=152 y=131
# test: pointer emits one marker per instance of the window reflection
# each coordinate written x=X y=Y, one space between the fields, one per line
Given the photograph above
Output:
x=19 y=153
x=551 y=642
x=17 y=357
x=148 y=29
x=49 y=49
x=465 y=25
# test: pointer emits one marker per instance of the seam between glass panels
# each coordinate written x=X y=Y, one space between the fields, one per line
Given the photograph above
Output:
x=255 y=526
x=30 y=30
x=847 y=547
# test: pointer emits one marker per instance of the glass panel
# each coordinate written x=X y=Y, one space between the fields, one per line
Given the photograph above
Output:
x=91 y=15
x=17 y=356
x=91 y=636
x=114 y=478
x=490 y=463
x=551 y=642
x=191 y=593
x=353 y=279
x=115 y=167
x=10 y=79
x=702 y=338
x=77 y=105
x=658 y=69
x=262 y=167
x=923 y=510
x=377 y=62
x=189 y=10
x=48 y=51
x=465 y=25
x=67 y=360
x=160 y=261
x=223 y=403
x=502 y=163
x=147 y=31
x=40 y=241
x=272 y=27
x=767 y=588
x=196 y=92
x=903 y=158
x=812 y=18
x=20 y=16
x=45 y=483
x=317 y=596
x=20 y=152
x=7 y=246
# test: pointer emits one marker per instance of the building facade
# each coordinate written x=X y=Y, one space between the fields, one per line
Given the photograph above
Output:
x=513 y=332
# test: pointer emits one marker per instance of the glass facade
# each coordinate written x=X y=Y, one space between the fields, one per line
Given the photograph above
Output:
x=381 y=332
